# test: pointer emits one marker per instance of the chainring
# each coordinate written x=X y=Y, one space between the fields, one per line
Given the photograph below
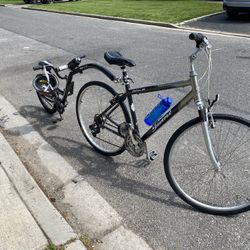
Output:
x=137 y=149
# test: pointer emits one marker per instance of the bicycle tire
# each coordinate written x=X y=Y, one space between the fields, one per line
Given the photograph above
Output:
x=103 y=143
x=46 y=103
x=195 y=187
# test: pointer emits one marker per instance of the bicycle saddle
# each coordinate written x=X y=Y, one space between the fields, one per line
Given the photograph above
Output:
x=115 y=57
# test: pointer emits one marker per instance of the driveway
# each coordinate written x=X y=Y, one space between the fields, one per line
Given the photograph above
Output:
x=222 y=23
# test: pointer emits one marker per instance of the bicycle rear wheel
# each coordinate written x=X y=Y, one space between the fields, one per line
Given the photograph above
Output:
x=47 y=102
x=192 y=175
x=102 y=133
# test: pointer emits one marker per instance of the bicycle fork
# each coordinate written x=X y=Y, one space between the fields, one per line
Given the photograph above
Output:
x=204 y=115
x=208 y=142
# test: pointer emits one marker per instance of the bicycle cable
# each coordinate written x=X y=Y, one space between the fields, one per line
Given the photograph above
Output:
x=210 y=65
x=208 y=71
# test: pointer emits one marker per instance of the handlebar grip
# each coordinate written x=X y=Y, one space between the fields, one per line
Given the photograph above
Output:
x=38 y=67
x=74 y=63
x=197 y=37
x=82 y=56
x=61 y=68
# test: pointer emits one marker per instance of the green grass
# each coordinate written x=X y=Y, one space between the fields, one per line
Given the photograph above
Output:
x=11 y=1
x=170 y=11
x=87 y=242
x=52 y=246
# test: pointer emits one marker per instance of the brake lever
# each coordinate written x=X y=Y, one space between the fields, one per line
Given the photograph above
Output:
x=211 y=104
x=210 y=107
x=207 y=43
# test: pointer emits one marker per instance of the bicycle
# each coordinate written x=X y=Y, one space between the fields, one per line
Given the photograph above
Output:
x=46 y=84
x=196 y=168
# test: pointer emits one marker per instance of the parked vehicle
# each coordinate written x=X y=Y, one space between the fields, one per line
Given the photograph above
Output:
x=233 y=7
x=41 y=1
x=37 y=1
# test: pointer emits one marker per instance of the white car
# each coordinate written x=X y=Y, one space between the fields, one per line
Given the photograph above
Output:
x=233 y=7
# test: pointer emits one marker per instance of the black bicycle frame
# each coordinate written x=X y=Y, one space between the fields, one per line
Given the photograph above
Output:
x=129 y=93
x=160 y=122
x=69 y=79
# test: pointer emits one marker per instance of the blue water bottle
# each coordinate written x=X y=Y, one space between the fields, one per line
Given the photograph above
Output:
x=159 y=110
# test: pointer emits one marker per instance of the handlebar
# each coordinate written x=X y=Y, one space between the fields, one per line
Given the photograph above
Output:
x=38 y=67
x=75 y=62
x=200 y=39
x=71 y=65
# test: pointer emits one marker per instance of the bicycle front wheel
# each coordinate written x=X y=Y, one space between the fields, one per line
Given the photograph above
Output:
x=192 y=175
x=103 y=133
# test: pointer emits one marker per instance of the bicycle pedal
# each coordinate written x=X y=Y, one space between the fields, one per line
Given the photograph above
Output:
x=152 y=155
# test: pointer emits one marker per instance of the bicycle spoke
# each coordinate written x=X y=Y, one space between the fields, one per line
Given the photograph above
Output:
x=114 y=132
x=105 y=137
x=192 y=173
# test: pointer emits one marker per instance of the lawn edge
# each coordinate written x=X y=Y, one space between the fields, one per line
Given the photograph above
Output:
x=160 y=24
x=200 y=17
x=138 y=21
x=123 y=19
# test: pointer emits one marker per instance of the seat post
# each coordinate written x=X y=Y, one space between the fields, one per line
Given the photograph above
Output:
x=124 y=75
x=126 y=81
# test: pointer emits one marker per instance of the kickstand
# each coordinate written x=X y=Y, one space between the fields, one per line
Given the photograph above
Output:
x=61 y=118
x=58 y=119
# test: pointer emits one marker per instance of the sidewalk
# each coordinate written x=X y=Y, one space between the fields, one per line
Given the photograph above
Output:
x=28 y=219
x=84 y=209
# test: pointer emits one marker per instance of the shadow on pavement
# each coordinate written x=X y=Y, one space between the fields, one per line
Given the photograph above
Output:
x=94 y=164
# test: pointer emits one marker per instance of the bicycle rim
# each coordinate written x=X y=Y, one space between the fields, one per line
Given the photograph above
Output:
x=92 y=100
x=192 y=174
x=47 y=102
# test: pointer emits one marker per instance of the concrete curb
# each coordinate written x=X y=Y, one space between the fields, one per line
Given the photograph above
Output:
x=76 y=245
x=159 y=24
x=52 y=224
x=97 y=217
x=222 y=33
x=128 y=20
x=180 y=26
x=125 y=238
x=198 y=18
x=19 y=230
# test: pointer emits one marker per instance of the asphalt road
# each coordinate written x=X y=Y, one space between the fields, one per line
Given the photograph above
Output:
x=221 y=23
x=141 y=195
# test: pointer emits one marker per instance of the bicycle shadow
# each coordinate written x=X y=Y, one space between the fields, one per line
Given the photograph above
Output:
x=105 y=168
x=38 y=118
x=98 y=166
